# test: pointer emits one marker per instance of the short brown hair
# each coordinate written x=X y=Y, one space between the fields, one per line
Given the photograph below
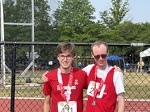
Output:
x=65 y=46
x=98 y=43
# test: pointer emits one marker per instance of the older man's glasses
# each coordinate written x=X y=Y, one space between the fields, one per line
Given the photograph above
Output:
x=68 y=57
x=102 y=55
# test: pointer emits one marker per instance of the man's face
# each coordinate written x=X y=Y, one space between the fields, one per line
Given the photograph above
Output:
x=100 y=55
x=65 y=59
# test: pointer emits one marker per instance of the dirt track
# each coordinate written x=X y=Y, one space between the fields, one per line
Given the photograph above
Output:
x=36 y=105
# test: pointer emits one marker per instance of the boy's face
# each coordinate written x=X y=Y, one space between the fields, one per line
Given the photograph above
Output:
x=65 y=59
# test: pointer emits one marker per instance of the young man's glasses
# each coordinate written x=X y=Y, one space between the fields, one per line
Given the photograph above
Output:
x=102 y=55
x=68 y=57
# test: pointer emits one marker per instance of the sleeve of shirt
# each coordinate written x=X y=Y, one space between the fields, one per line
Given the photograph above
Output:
x=47 y=88
x=119 y=82
x=87 y=69
x=85 y=81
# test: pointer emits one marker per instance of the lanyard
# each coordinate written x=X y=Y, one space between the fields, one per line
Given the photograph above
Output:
x=99 y=87
x=65 y=94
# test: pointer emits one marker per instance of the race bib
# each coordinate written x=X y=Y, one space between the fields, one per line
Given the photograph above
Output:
x=71 y=106
x=90 y=90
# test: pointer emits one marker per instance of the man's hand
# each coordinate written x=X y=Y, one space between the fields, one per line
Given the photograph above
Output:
x=117 y=68
x=44 y=78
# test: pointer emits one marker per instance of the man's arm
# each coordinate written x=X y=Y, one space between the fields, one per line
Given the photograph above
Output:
x=47 y=103
x=44 y=78
x=121 y=102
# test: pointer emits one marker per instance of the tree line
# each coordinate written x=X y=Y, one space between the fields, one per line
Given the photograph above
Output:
x=73 y=21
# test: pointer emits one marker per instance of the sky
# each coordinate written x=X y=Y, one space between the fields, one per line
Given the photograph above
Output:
x=139 y=9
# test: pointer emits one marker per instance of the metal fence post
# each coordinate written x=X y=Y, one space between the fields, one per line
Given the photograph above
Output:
x=13 y=78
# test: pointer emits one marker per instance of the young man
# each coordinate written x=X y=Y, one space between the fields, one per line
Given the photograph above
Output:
x=64 y=89
x=105 y=85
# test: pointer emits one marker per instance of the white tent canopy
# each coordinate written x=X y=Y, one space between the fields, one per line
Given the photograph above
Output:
x=145 y=53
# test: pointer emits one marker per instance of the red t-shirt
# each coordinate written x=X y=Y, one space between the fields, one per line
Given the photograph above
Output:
x=108 y=101
x=52 y=88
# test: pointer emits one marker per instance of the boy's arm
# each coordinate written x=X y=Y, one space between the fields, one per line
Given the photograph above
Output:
x=121 y=102
x=47 y=103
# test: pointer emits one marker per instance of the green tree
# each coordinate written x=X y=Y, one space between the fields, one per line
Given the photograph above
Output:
x=20 y=12
x=73 y=18
x=144 y=33
x=130 y=32
x=115 y=15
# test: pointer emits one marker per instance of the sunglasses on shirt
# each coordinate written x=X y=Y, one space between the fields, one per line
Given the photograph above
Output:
x=102 y=55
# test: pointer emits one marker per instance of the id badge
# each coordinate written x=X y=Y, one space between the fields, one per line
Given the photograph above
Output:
x=71 y=106
x=90 y=90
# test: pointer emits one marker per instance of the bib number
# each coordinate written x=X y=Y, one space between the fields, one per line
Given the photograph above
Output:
x=90 y=90
x=71 y=106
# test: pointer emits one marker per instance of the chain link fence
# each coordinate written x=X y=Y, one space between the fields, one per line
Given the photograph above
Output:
x=23 y=63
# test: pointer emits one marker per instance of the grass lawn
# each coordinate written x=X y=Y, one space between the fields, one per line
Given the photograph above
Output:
x=137 y=86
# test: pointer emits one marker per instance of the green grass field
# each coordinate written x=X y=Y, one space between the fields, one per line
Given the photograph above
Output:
x=137 y=86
